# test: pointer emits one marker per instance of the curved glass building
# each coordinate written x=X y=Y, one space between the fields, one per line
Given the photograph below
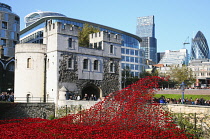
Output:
x=132 y=55
x=199 y=48
x=35 y=16
x=9 y=29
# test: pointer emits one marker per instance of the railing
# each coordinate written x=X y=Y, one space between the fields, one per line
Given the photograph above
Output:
x=33 y=99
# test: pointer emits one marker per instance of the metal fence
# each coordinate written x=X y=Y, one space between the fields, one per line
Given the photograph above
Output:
x=32 y=99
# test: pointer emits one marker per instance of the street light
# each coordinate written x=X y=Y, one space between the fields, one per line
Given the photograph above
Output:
x=182 y=87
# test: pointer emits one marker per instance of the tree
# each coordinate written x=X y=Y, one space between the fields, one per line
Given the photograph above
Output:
x=127 y=77
x=84 y=34
x=182 y=74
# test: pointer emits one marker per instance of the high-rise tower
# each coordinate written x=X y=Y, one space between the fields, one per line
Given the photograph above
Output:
x=199 y=48
x=9 y=29
x=146 y=30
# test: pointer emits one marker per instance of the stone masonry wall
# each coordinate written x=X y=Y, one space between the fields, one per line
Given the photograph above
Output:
x=26 y=110
x=110 y=82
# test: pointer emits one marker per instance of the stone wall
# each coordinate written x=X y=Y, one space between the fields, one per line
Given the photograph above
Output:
x=26 y=110
x=180 y=108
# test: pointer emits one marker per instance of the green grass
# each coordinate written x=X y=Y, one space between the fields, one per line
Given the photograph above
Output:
x=177 y=96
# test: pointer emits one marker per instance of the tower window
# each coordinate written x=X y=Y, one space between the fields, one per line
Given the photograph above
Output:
x=96 y=64
x=111 y=49
x=85 y=64
x=3 y=42
x=29 y=63
x=70 y=63
x=111 y=67
x=4 y=25
x=70 y=42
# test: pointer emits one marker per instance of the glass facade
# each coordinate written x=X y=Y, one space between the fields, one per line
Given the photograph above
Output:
x=9 y=29
x=5 y=7
x=146 y=30
x=199 y=48
x=145 y=26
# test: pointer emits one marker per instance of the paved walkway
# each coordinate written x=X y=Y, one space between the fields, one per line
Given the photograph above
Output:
x=187 y=91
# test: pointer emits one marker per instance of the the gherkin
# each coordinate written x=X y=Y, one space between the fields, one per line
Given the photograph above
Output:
x=199 y=48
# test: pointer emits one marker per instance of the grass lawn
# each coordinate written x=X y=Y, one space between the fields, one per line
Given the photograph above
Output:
x=177 y=96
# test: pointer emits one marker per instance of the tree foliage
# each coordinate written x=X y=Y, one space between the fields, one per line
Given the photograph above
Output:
x=84 y=34
x=182 y=74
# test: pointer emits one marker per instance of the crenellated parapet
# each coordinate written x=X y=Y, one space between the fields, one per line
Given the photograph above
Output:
x=61 y=28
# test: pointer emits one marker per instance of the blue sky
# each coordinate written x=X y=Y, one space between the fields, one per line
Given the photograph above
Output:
x=175 y=20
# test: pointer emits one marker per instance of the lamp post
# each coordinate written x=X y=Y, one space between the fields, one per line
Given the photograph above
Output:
x=182 y=87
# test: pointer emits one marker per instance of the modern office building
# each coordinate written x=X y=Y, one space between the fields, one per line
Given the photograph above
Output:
x=9 y=29
x=35 y=16
x=160 y=56
x=9 y=37
x=201 y=71
x=199 y=48
x=146 y=30
x=179 y=57
x=57 y=38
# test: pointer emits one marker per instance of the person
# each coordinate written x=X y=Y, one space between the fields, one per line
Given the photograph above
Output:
x=92 y=97
x=78 y=97
x=162 y=100
x=11 y=97
x=86 y=97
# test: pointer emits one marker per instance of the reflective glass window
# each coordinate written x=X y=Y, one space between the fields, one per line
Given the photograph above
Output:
x=122 y=65
x=127 y=65
x=4 y=25
x=12 y=35
x=123 y=58
x=131 y=59
x=136 y=74
x=136 y=52
x=131 y=52
x=3 y=42
x=14 y=27
x=127 y=51
x=136 y=67
x=127 y=58
x=136 y=60
x=123 y=50
x=6 y=17
x=132 y=67
x=3 y=33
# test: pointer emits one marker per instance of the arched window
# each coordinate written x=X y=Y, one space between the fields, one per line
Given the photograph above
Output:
x=85 y=64
x=96 y=65
x=29 y=63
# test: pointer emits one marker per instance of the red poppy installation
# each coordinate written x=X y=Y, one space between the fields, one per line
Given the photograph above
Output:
x=127 y=113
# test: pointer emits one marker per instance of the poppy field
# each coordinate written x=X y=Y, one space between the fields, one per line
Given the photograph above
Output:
x=125 y=114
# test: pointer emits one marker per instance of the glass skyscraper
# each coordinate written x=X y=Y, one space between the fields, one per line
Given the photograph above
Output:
x=199 y=48
x=146 y=30
x=145 y=26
